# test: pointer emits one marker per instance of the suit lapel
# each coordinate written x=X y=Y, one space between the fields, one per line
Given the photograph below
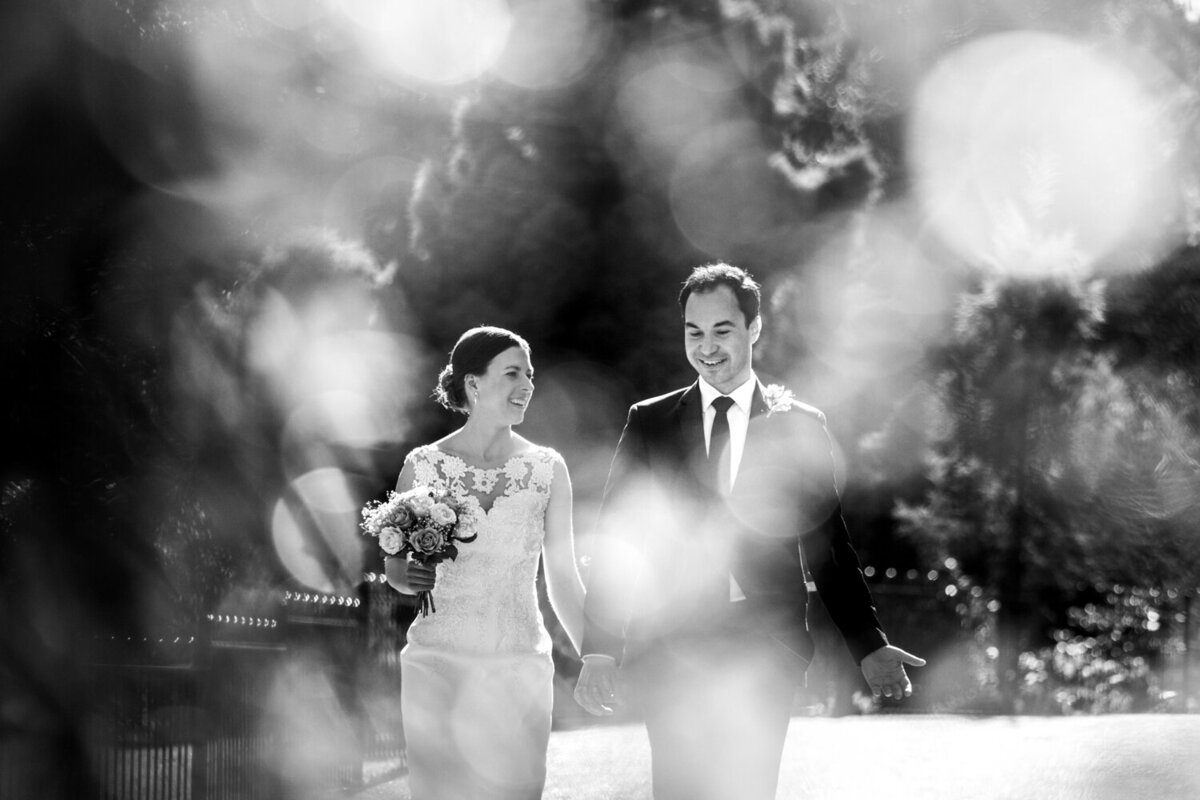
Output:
x=758 y=406
x=688 y=415
x=755 y=430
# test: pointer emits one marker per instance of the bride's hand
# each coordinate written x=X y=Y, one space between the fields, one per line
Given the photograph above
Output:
x=421 y=577
x=409 y=577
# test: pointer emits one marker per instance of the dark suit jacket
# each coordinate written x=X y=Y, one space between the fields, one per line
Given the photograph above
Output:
x=667 y=542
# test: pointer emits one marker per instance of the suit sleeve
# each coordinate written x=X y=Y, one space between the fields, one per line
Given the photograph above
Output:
x=828 y=552
x=606 y=607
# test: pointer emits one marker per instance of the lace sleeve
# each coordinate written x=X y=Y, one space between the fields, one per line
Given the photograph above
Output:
x=425 y=468
x=542 y=469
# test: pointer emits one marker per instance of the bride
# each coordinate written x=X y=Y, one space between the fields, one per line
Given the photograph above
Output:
x=476 y=674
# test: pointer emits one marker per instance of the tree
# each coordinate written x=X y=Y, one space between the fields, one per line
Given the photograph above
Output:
x=1044 y=478
x=104 y=538
x=1014 y=370
x=572 y=211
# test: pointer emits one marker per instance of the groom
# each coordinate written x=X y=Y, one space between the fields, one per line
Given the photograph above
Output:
x=696 y=590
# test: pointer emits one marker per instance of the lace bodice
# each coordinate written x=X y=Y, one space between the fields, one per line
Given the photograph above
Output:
x=486 y=599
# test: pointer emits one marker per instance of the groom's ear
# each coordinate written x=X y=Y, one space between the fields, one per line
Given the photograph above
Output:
x=755 y=329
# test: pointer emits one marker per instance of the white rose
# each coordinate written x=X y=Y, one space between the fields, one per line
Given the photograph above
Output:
x=420 y=502
x=391 y=540
x=443 y=514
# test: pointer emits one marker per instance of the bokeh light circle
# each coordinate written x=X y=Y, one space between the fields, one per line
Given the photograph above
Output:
x=552 y=43
x=447 y=42
x=315 y=530
x=364 y=189
x=289 y=14
x=663 y=105
x=1032 y=152
x=721 y=188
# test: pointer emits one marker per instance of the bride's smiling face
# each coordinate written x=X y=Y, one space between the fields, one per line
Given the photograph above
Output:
x=506 y=387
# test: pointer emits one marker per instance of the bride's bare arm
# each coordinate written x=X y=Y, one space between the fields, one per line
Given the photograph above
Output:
x=563 y=583
x=403 y=575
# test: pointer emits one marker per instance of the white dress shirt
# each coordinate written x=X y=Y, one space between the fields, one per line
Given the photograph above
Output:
x=738 y=416
x=739 y=422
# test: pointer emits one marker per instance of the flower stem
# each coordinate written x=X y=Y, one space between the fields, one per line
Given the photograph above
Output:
x=426 y=602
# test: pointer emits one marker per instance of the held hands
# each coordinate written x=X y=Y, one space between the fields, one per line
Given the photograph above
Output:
x=884 y=671
x=597 y=689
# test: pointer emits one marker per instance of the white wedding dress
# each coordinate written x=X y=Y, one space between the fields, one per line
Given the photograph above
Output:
x=477 y=677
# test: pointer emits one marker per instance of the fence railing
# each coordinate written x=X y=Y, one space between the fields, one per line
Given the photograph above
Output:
x=302 y=699
x=298 y=700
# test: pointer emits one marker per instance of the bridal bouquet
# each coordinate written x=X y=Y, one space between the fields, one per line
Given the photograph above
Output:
x=422 y=522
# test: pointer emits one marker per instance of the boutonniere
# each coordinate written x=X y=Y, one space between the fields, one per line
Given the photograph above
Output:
x=778 y=398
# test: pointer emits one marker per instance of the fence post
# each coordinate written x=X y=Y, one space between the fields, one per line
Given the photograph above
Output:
x=1187 y=647
x=201 y=671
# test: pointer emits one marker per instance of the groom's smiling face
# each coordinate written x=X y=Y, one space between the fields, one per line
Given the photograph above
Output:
x=718 y=342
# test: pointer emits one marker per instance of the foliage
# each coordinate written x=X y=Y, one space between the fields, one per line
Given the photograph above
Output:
x=1151 y=327
x=1001 y=468
x=1050 y=472
x=1103 y=661
x=552 y=208
x=1004 y=398
x=142 y=444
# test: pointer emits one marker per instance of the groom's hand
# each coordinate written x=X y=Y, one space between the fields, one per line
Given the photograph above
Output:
x=596 y=690
x=884 y=671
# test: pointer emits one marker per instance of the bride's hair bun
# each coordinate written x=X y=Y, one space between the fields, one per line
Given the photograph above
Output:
x=445 y=392
x=471 y=355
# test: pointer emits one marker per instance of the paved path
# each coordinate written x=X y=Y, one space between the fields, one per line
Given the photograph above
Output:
x=1114 y=757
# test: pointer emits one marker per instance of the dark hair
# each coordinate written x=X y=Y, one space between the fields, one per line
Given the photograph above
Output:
x=471 y=355
x=708 y=277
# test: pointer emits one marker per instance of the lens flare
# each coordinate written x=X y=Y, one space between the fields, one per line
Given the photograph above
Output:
x=721 y=188
x=290 y=543
x=579 y=404
x=867 y=303
x=302 y=706
x=259 y=115
x=289 y=14
x=315 y=530
x=552 y=43
x=1033 y=153
x=664 y=105
x=338 y=382
x=448 y=42
x=376 y=183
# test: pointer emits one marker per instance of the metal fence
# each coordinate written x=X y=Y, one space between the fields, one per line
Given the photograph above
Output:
x=301 y=699
x=298 y=700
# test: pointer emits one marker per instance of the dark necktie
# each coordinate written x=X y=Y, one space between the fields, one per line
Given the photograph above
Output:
x=718 y=442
